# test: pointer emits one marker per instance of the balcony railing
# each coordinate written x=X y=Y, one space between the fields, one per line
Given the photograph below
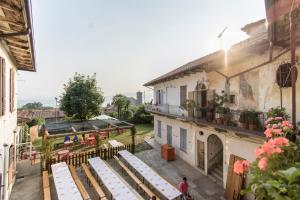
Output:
x=204 y=116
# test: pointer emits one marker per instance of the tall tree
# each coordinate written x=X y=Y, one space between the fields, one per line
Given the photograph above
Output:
x=33 y=105
x=81 y=98
x=119 y=101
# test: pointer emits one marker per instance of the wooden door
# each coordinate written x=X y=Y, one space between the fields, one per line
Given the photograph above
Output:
x=234 y=182
x=200 y=154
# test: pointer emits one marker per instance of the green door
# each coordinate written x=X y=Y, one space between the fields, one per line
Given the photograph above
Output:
x=169 y=135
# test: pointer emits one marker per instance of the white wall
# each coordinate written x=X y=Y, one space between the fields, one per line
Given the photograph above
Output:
x=242 y=147
x=8 y=122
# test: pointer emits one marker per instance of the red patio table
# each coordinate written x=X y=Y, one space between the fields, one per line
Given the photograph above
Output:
x=63 y=154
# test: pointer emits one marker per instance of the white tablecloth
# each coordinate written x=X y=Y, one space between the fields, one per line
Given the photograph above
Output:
x=118 y=188
x=115 y=143
x=160 y=184
x=65 y=186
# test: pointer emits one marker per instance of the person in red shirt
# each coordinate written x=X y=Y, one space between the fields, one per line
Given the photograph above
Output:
x=183 y=187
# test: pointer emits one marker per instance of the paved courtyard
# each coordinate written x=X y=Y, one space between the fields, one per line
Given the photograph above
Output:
x=200 y=186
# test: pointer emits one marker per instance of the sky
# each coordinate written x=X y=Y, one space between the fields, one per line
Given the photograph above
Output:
x=126 y=42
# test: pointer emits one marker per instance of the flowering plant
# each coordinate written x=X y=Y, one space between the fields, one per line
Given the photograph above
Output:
x=275 y=174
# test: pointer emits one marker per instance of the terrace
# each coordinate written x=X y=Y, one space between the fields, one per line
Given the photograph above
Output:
x=205 y=118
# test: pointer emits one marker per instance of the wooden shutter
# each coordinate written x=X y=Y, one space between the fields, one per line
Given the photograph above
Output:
x=3 y=86
x=234 y=182
x=12 y=90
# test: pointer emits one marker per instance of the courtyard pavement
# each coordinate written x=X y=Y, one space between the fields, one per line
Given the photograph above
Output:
x=200 y=186
x=30 y=186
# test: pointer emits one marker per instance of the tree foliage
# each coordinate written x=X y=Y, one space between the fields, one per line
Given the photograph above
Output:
x=120 y=102
x=81 y=98
x=33 y=105
x=36 y=121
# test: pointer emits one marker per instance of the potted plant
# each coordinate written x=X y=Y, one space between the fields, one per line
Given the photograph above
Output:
x=210 y=111
x=243 y=120
x=227 y=116
x=220 y=111
x=253 y=120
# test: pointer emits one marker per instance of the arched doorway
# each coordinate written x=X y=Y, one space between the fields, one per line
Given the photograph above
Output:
x=201 y=99
x=215 y=157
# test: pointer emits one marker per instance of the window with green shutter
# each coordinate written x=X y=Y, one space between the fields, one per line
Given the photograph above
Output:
x=183 y=139
x=159 y=128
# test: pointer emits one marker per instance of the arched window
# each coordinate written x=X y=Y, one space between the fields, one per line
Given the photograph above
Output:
x=284 y=75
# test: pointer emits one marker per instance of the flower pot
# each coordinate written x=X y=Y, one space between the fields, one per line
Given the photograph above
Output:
x=252 y=127
x=225 y=122
x=219 y=121
x=243 y=125
x=209 y=116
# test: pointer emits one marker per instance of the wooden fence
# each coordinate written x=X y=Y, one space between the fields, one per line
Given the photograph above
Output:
x=77 y=159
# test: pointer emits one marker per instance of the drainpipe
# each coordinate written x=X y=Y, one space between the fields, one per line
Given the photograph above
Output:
x=293 y=62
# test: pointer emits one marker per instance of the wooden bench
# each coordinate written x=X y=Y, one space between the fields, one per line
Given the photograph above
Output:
x=46 y=186
x=85 y=195
x=93 y=182
x=135 y=178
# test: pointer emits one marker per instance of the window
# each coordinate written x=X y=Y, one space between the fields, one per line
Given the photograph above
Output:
x=159 y=97
x=183 y=139
x=232 y=99
x=283 y=75
x=183 y=93
x=12 y=91
x=2 y=86
x=159 y=128
x=169 y=135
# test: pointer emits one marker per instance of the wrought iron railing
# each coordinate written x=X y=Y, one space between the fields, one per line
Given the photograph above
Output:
x=202 y=114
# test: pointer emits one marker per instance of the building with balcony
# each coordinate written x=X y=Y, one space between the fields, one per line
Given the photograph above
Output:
x=250 y=75
x=16 y=53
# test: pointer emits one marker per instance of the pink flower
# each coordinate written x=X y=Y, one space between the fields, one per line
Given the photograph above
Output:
x=280 y=141
x=277 y=131
x=258 y=152
x=278 y=118
x=268 y=132
x=262 y=164
x=287 y=124
x=240 y=166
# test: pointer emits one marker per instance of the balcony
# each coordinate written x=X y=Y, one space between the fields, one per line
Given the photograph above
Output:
x=213 y=119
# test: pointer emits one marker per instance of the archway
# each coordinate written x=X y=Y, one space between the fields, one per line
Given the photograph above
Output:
x=215 y=157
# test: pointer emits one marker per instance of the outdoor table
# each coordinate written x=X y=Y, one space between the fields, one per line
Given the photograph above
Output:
x=91 y=140
x=62 y=154
x=66 y=188
x=160 y=184
x=114 y=143
x=119 y=189
x=68 y=143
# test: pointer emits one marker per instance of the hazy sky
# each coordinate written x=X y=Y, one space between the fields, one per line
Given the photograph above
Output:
x=126 y=42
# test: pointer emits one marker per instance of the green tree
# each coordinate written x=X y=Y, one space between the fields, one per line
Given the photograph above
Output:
x=36 y=121
x=33 y=105
x=81 y=98
x=119 y=101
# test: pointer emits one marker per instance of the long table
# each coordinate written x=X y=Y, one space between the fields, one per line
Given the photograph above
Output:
x=66 y=188
x=118 y=188
x=160 y=184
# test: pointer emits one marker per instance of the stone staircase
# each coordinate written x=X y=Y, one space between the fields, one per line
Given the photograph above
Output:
x=216 y=174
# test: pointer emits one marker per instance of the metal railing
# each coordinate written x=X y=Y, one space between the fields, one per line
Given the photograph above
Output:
x=231 y=119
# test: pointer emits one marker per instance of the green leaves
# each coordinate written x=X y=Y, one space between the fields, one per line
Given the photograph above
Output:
x=81 y=98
